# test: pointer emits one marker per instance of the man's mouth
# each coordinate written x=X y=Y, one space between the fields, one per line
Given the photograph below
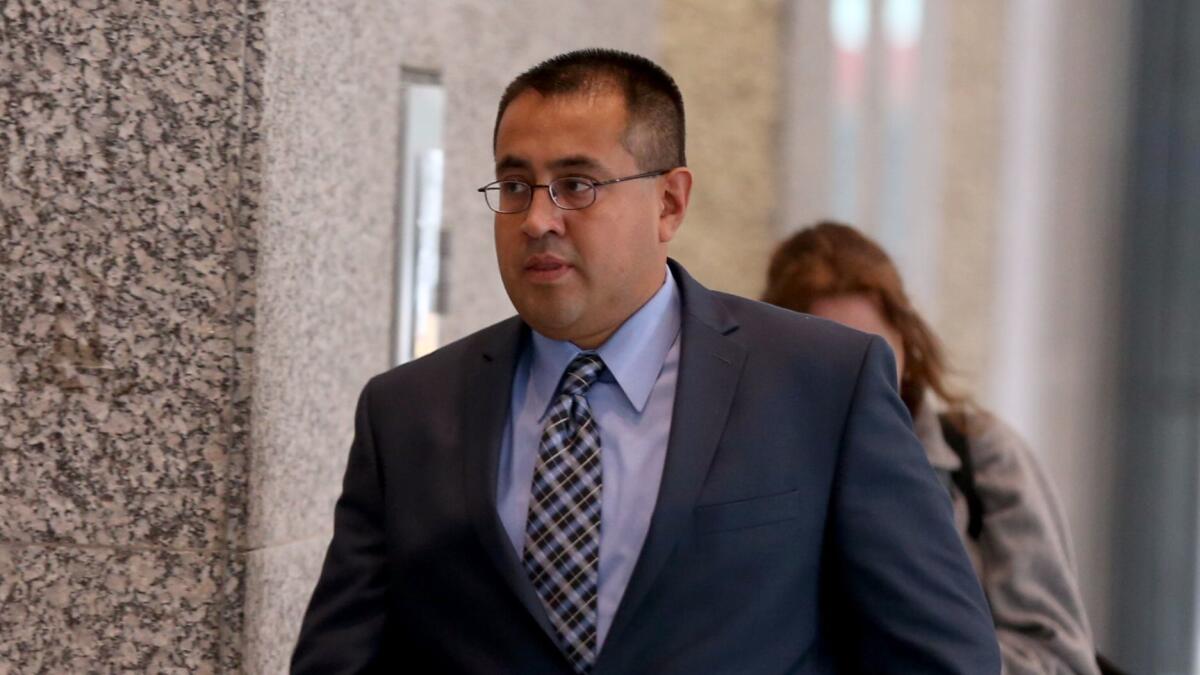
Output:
x=546 y=268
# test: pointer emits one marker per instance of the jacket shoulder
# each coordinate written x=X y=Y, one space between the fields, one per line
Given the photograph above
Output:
x=780 y=332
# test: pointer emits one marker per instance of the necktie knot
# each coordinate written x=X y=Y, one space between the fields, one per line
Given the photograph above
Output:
x=581 y=373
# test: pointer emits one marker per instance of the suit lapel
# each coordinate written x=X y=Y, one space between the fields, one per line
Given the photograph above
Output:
x=710 y=365
x=488 y=392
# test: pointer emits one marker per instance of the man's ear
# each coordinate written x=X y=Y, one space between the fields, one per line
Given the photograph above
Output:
x=673 y=202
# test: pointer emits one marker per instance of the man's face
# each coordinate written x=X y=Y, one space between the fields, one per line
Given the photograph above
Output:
x=577 y=275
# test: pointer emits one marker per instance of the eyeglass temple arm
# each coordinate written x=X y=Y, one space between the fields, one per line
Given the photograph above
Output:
x=657 y=172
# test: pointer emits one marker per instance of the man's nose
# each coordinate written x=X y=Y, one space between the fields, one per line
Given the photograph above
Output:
x=543 y=215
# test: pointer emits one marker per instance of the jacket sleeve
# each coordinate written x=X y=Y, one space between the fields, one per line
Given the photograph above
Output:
x=1025 y=559
x=344 y=623
x=909 y=600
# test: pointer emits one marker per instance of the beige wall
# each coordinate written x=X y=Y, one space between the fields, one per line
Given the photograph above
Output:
x=972 y=127
x=725 y=58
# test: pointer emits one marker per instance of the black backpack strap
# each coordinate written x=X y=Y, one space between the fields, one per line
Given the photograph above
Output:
x=964 y=477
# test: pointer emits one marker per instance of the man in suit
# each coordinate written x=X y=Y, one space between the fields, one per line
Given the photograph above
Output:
x=636 y=474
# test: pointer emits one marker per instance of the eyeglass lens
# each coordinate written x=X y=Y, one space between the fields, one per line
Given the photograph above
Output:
x=511 y=196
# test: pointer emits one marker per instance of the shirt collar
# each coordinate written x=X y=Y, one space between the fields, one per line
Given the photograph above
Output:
x=634 y=354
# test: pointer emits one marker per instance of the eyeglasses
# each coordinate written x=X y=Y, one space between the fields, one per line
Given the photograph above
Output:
x=569 y=193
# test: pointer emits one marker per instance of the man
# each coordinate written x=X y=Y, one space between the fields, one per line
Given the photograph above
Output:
x=636 y=474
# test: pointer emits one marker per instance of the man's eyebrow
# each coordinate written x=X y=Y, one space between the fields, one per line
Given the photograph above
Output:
x=576 y=162
x=508 y=162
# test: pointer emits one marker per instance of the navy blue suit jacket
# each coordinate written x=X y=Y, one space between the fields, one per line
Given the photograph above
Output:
x=798 y=529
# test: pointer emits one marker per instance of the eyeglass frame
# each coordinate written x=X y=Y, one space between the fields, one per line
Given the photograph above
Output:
x=594 y=183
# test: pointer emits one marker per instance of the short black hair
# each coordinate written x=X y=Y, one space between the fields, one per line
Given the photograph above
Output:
x=655 y=134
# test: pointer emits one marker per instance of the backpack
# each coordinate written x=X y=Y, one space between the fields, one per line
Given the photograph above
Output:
x=964 y=480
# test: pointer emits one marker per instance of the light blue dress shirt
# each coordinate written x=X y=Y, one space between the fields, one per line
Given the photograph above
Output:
x=632 y=404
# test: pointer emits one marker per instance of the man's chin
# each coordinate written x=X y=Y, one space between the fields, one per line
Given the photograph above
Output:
x=552 y=319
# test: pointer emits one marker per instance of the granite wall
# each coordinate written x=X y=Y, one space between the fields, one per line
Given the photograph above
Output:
x=196 y=226
x=127 y=267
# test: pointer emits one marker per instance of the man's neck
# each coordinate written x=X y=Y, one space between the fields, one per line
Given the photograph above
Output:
x=596 y=340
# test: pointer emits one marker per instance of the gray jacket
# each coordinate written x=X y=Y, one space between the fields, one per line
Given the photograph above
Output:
x=1023 y=558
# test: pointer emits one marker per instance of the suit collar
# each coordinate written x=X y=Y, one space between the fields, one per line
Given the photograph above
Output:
x=503 y=342
x=700 y=303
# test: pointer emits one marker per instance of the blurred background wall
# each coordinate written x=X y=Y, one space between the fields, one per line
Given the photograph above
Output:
x=210 y=232
x=982 y=143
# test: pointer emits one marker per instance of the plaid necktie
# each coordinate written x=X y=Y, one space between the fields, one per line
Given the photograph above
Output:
x=562 y=534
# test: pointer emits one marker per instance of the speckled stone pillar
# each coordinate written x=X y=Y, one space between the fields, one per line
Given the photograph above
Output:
x=125 y=262
x=196 y=235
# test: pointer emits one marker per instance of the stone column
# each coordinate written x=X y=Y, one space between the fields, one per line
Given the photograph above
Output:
x=127 y=267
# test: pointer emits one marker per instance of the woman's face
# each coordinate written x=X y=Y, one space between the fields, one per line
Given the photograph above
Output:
x=859 y=311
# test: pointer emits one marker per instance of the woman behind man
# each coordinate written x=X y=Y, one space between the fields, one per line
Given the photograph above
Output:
x=1014 y=530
